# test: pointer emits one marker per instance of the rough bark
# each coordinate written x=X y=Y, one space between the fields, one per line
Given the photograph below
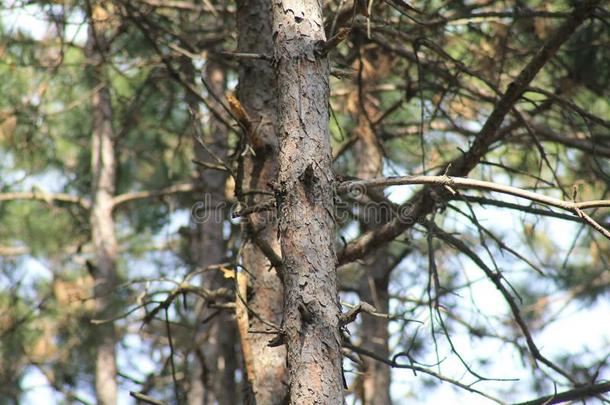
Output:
x=268 y=384
x=304 y=192
x=373 y=288
x=103 y=168
x=213 y=373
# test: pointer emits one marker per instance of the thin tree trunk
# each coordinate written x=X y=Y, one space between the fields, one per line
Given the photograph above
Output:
x=304 y=193
x=103 y=168
x=373 y=288
x=213 y=374
x=268 y=384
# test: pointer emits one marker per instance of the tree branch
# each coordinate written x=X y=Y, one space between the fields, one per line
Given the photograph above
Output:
x=462 y=182
x=394 y=364
x=140 y=195
x=496 y=279
x=518 y=207
x=570 y=395
x=422 y=203
x=459 y=182
x=49 y=198
x=350 y=316
x=14 y=250
x=145 y=398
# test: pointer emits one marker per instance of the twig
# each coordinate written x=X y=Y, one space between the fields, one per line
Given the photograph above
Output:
x=323 y=48
x=342 y=73
x=171 y=355
x=496 y=279
x=351 y=315
x=145 y=398
x=139 y=20
x=210 y=166
x=570 y=395
x=518 y=207
x=246 y=55
x=261 y=207
x=392 y=363
x=184 y=287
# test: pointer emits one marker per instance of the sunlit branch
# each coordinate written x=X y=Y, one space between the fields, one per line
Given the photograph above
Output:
x=141 y=195
x=451 y=183
x=49 y=198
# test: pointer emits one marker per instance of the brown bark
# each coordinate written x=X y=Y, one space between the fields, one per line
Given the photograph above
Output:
x=268 y=384
x=373 y=288
x=213 y=373
x=304 y=192
x=103 y=168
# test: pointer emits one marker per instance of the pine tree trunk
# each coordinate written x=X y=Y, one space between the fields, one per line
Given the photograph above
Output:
x=213 y=373
x=304 y=191
x=103 y=167
x=268 y=384
x=373 y=288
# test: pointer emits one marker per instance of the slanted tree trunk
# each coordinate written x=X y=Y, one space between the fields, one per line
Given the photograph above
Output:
x=373 y=287
x=304 y=192
x=257 y=79
x=215 y=362
x=103 y=169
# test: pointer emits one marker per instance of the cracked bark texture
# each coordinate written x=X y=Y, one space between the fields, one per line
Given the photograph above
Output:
x=103 y=169
x=257 y=80
x=304 y=190
x=212 y=378
x=373 y=288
